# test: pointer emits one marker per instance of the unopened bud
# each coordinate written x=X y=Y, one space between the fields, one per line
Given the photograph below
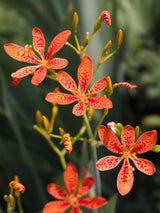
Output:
x=118 y=129
x=156 y=148
x=90 y=112
x=46 y=123
x=136 y=131
x=75 y=22
x=38 y=117
x=12 y=201
x=17 y=186
x=61 y=131
x=106 y=48
x=105 y=15
x=97 y=26
x=86 y=39
x=67 y=142
x=119 y=38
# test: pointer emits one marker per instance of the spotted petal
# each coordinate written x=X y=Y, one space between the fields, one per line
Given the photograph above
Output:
x=76 y=209
x=98 y=86
x=79 y=109
x=20 y=53
x=23 y=72
x=71 y=178
x=85 y=72
x=125 y=178
x=39 y=76
x=86 y=186
x=145 y=142
x=58 y=63
x=67 y=81
x=56 y=191
x=128 y=136
x=93 y=203
x=107 y=163
x=110 y=140
x=56 y=207
x=60 y=98
x=100 y=102
x=38 y=41
x=57 y=43
x=144 y=166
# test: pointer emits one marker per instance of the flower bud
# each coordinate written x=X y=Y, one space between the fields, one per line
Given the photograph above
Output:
x=118 y=129
x=75 y=22
x=106 y=48
x=17 y=186
x=46 y=123
x=67 y=142
x=12 y=201
x=119 y=38
x=61 y=131
x=156 y=148
x=38 y=117
x=97 y=26
x=105 y=15
x=86 y=39
x=136 y=131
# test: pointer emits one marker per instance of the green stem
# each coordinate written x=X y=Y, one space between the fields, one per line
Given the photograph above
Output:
x=93 y=155
x=58 y=152
x=100 y=122
x=19 y=204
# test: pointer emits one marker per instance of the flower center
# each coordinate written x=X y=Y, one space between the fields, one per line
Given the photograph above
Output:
x=73 y=200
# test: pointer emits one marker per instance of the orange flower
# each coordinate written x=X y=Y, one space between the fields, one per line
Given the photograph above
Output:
x=128 y=149
x=67 y=196
x=85 y=72
x=27 y=55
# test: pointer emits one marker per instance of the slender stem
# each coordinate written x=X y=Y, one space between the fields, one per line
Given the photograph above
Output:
x=93 y=155
x=56 y=136
x=96 y=68
x=70 y=45
x=19 y=204
x=110 y=55
x=76 y=40
x=100 y=122
x=58 y=152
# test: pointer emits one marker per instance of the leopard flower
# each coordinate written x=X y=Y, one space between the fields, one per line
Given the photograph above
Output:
x=85 y=72
x=128 y=150
x=28 y=55
x=70 y=197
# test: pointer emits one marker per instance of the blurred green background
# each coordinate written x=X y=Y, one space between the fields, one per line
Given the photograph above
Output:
x=22 y=150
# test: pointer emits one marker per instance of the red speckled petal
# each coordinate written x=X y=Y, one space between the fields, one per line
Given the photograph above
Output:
x=145 y=142
x=127 y=137
x=79 y=109
x=93 y=202
x=71 y=178
x=57 y=43
x=20 y=53
x=98 y=86
x=76 y=209
x=125 y=178
x=85 y=72
x=60 y=98
x=56 y=207
x=58 y=63
x=23 y=72
x=56 y=191
x=39 y=76
x=100 y=102
x=108 y=162
x=110 y=140
x=86 y=186
x=67 y=81
x=38 y=41
x=144 y=165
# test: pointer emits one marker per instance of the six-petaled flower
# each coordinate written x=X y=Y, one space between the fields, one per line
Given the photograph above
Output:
x=27 y=55
x=128 y=149
x=85 y=72
x=71 y=196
